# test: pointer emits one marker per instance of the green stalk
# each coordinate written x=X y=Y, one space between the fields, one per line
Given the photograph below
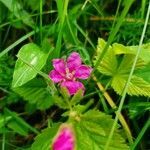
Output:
x=128 y=81
x=143 y=8
x=33 y=15
x=147 y=124
x=3 y=141
x=41 y=11
x=84 y=34
x=61 y=25
x=117 y=11
x=17 y=42
x=70 y=29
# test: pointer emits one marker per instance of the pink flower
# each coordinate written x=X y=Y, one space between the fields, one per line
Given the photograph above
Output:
x=64 y=139
x=67 y=72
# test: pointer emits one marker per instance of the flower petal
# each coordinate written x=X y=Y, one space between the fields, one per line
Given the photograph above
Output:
x=64 y=139
x=59 y=65
x=55 y=76
x=73 y=61
x=73 y=86
x=83 y=72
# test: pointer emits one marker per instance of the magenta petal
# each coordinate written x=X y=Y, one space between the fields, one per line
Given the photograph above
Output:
x=55 y=76
x=83 y=72
x=64 y=139
x=73 y=61
x=59 y=65
x=73 y=86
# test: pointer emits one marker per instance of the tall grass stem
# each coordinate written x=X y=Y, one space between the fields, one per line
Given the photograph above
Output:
x=128 y=81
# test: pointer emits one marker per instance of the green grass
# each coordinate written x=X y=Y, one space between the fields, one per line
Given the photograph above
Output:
x=69 y=26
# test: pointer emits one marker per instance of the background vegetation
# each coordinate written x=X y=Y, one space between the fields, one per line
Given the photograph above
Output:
x=58 y=28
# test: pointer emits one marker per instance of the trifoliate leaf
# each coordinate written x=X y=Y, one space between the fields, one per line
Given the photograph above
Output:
x=117 y=64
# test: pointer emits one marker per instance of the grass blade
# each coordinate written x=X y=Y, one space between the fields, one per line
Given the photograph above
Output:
x=128 y=81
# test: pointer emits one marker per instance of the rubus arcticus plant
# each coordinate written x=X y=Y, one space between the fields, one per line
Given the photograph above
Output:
x=67 y=93
x=67 y=72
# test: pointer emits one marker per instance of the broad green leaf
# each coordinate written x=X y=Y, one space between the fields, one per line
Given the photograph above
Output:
x=36 y=92
x=117 y=64
x=144 y=54
x=125 y=66
x=92 y=132
x=108 y=64
x=144 y=72
x=32 y=54
x=137 y=85
x=43 y=141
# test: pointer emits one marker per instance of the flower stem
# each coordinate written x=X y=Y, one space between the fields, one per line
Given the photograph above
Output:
x=113 y=105
x=41 y=9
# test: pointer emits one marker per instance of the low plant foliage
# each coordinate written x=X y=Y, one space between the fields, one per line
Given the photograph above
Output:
x=70 y=78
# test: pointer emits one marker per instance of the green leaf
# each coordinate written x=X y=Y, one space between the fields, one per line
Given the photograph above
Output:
x=65 y=93
x=108 y=64
x=43 y=141
x=4 y=119
x=76 y=98
x=126 y=64
x=36 y=92
x=137 y=85
x=137 y=107
x=61 y=102
x=144 y=72
x=92 y=132
x=11 y=120
x=18 y=128
x=117 y=64
x=144 y=54
x=32 y=54
x=19 y=121
x=8 y=4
